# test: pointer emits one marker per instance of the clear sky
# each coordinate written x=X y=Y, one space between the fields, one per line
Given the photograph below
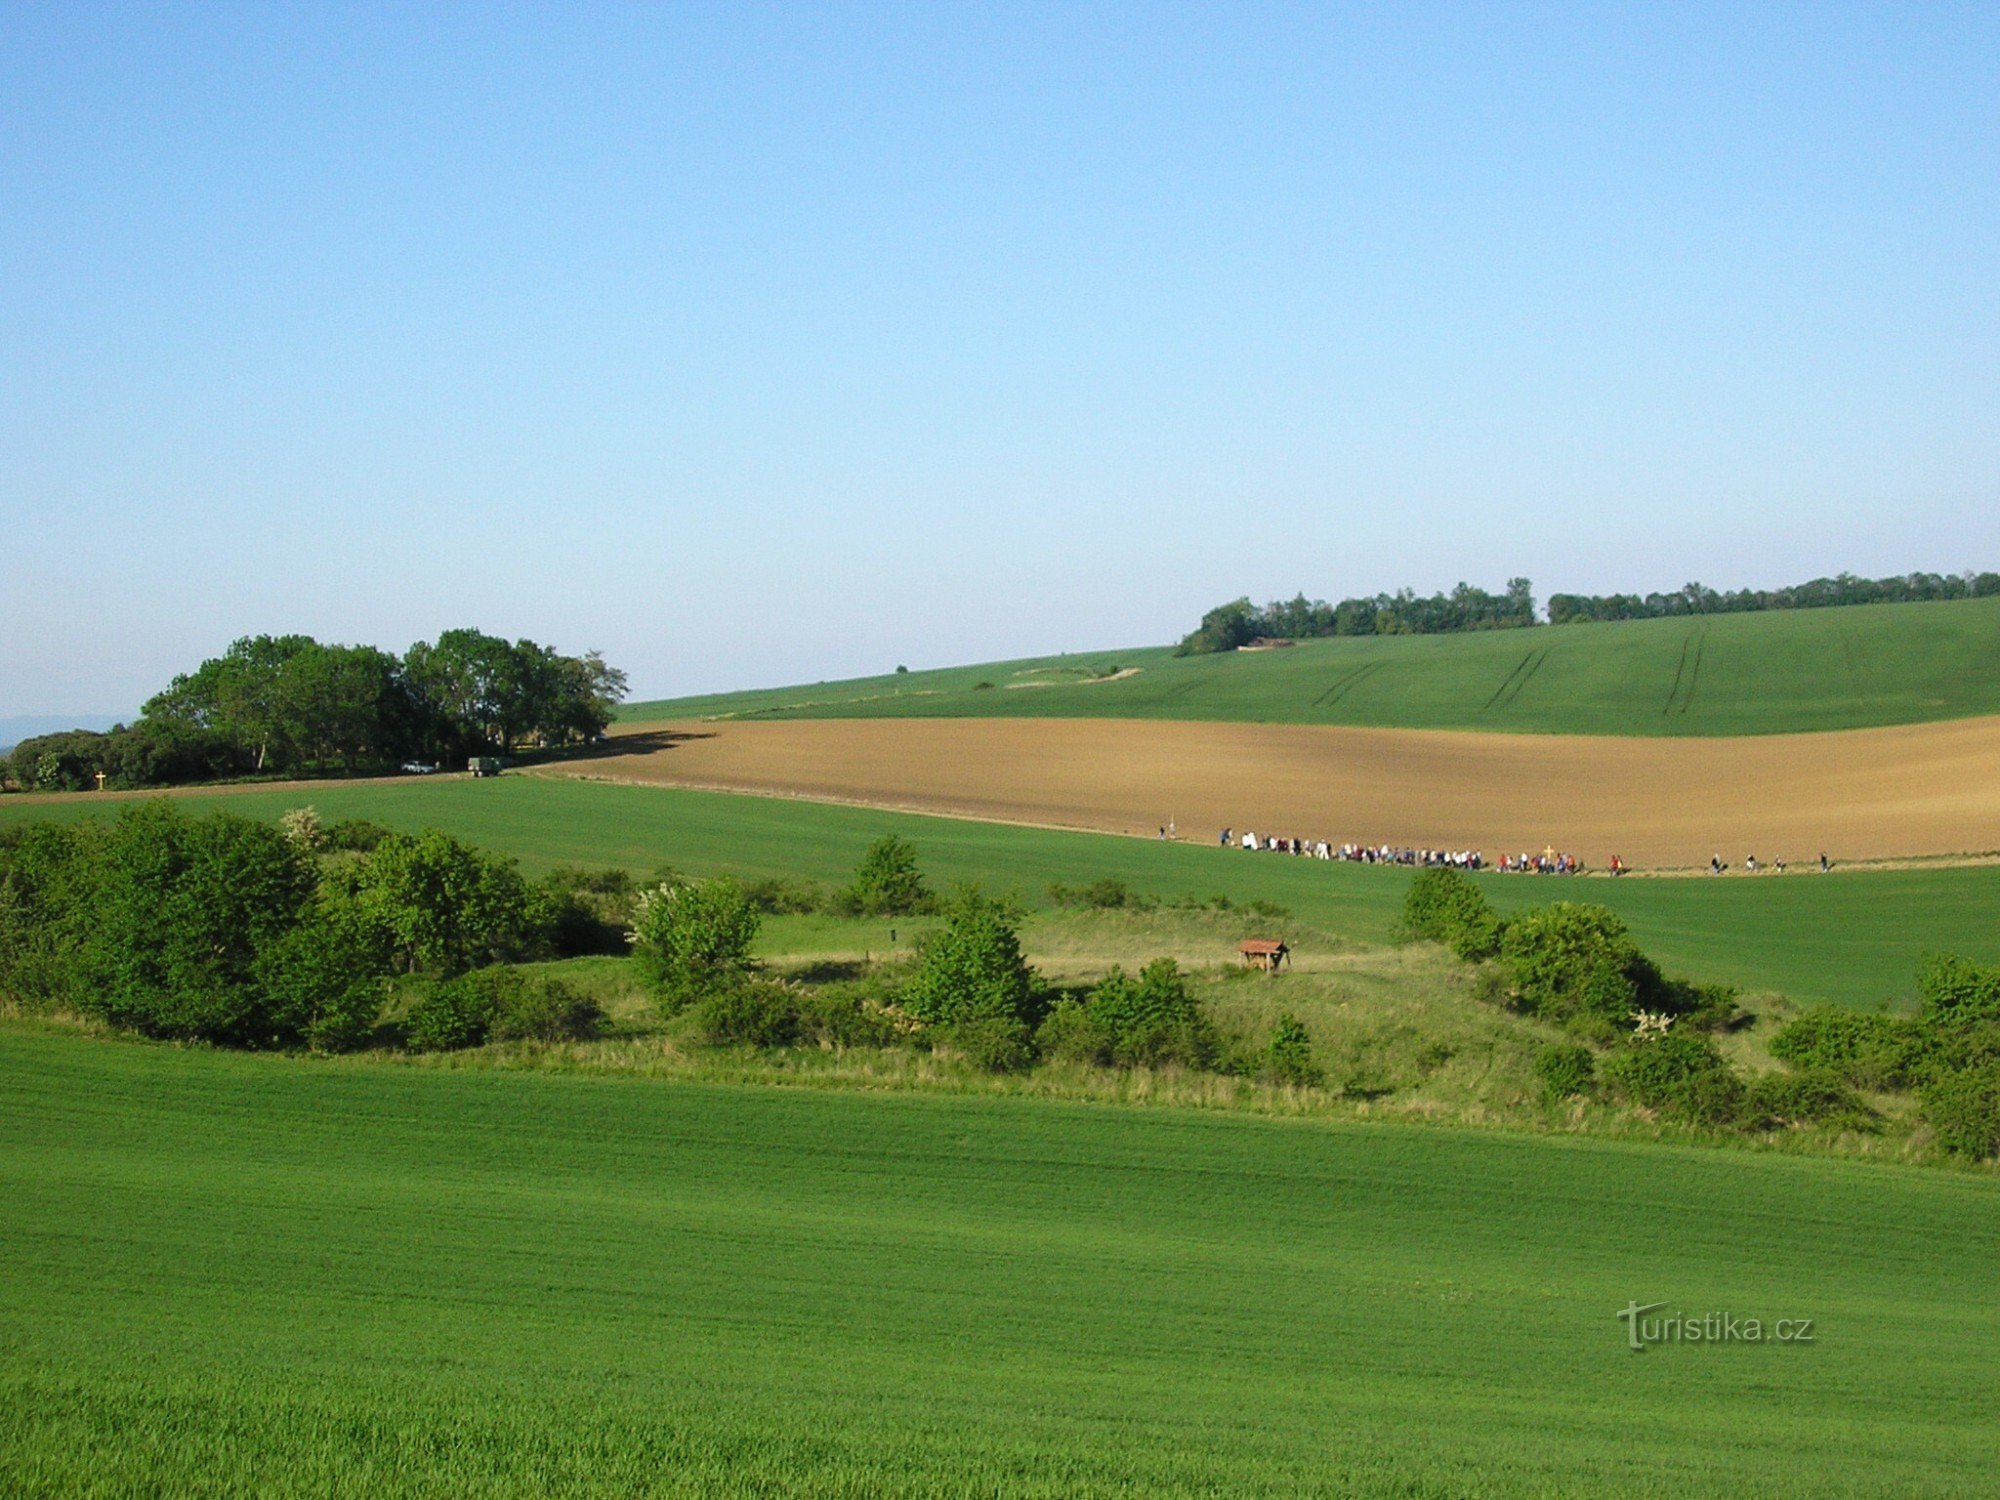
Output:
x=765 y=343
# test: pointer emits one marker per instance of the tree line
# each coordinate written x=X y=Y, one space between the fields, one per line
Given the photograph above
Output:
x=1231 y=626
x=290 y=705
x=1820 y=593
x=1239 y=623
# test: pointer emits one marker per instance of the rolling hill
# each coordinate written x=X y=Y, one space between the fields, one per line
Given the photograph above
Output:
x=1770 y=673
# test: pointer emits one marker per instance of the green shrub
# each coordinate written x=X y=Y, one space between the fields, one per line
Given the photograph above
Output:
x=693 y=939
x=1152 y=1020
x=1107 y=894
x=1808 y=1098
x=445 y=906
x=1870 y=1052
x=1068 y=1034
x=848 y=1014
x=754 y=1015
x=324 y=981
x=1955 y=988
x=1681 y=1075
x=1964 y=1109
x=545 y=1010
x=888 y=883
x=1952 y=1044
x=1575 y=963
x=1289 y=1057
x=355 y=835
x=1444 y=906
x=999 y=1044
x=163 y=922
x=1566 y=1071
x=587 y=911
x=970 y=968
x=450 y=1014
x=784 y=898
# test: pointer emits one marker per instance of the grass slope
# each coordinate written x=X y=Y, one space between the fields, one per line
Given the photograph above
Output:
x=1853 y=938
x=1727 y=674
x=241 y=1275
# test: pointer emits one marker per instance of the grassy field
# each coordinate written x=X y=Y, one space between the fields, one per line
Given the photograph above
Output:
x=1724 y=675
x=261 y=1275
x=1852 y=938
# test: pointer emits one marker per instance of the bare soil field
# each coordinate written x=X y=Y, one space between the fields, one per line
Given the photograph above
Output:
x=1869 y=794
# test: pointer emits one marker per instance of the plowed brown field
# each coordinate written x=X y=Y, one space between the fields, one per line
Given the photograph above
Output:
x=1927 y=789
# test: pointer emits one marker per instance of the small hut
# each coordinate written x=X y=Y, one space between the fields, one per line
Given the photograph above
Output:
x=1268 y=954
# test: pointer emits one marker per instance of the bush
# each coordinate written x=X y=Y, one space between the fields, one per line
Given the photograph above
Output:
x=1444 y=906
x=970 y=968
x=694 y=939
x=1289 y=1058
x=783 y=898
x=1964 y=1109
x=325 y=980
x=888 y=883
x=356 y=835
x=1809 y=1098
x=1870 y=1052
x=445 y=906
x=586 y=911
x=545 y=1011
x=753 y=1015
x=1566 y=1072
x=302 y=826
x=1068 y=1034
x=1681 y=1075
x=850 y=1014
x=1575 y=964
x=162 y=923
x=1107 y=894
x=1152 y=1020
x=1954 y=988
x=450 y=1014
x=999 y=1044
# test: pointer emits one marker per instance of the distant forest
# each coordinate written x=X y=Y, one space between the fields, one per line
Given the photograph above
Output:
x=1240 y=623
x=290 y=705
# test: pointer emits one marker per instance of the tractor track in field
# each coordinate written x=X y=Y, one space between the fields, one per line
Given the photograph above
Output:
x=1687 y=673
x=1511 y=685
x=1344 y=685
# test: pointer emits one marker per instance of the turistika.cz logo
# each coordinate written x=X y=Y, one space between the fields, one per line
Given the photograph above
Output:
x=1648 y=1324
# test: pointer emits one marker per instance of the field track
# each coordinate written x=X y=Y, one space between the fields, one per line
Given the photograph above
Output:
x=1891 y=793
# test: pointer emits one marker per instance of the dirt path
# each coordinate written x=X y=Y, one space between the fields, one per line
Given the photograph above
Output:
x=1874 y=794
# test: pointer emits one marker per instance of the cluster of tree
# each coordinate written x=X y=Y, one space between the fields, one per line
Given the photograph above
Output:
x=1820 y=593
x=225 y=930
x=1238 y=623
x=1651 y=1038
x=291 y=704
x=1947 y=1053
x=1229 y=627
x=971 y=990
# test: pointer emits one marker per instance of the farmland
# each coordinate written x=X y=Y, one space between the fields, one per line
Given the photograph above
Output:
x=236 y=1274
x=1877 y=793
x=1746 y=674
x=1849 y=937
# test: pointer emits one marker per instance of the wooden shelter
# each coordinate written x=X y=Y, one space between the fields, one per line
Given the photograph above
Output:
x=1268 y=954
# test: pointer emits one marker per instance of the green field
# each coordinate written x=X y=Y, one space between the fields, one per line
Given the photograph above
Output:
x=1851 y=938
x=1767 y=673
x=233 y=1274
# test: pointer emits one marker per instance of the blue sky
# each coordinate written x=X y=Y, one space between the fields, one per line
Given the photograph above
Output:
x=755 y=344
